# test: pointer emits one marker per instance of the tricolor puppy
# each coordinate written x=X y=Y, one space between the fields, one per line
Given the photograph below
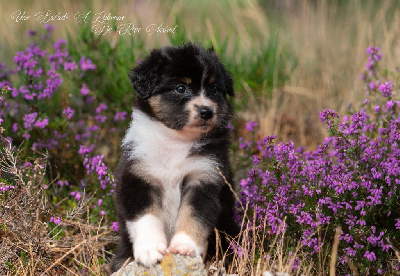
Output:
x=169 y=194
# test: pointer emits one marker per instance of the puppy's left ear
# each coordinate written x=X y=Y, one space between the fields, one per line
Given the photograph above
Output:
x=146 y=76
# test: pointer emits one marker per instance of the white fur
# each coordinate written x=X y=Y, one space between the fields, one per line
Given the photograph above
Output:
x=164 y=154
x=183 y=244
x=148 y=239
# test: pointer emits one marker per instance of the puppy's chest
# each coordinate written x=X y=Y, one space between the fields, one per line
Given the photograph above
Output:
x=167 y=164
x=167 y=161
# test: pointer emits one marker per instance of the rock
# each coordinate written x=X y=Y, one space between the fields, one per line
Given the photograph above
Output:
x=170 y=265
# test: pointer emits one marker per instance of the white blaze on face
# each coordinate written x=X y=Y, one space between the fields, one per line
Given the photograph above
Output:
x=196 y=123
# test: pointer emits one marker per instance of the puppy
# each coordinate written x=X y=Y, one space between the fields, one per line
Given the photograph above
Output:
x=169 y=193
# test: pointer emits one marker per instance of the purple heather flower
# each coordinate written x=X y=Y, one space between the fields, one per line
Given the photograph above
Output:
x=56 y=220
x=14 y=92
x=102 y=213
x=42 y=123
x=251 y=125
x=256 y=160
x=114 y=226
x=77 y=195
x=373 y=51
x=386 y=89
x=15 y=127
x=29 y=120
x=59 y=43
x=327 y=114
x=99 y=202
x=93 y=128
x=350 y=252
x=69 y=112
x=370 y=256
x=5 y=187
x=390 y=104
x=372 y=85
x=120 y=116
x=101 y=107
x=84 y=89
x=244 y=144
x=370 y=50
x=230 y=127
x=26 y=136
x=86 y=64
x=85 y=150
x=62 y=183
x=397 y=224
x=100 y=118
x=49 y=28
x=70 y=66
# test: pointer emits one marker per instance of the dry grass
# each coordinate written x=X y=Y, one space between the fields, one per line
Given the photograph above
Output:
x=330 y=39
x=28 y=245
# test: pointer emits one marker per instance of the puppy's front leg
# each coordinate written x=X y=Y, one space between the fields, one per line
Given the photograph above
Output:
x=139 y=206
x=148 y=238
x=196 y=219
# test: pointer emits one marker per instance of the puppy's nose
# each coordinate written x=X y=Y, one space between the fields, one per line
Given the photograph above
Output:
x=206 y=112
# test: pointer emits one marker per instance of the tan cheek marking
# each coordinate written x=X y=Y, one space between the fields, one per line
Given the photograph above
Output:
x=186 y=80
x=188 y=224
x=155 y=103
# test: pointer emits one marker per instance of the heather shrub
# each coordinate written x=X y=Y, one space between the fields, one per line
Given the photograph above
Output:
x=351 y=180
x=47 y=107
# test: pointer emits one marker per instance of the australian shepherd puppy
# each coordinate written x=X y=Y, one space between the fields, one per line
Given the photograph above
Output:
x=170 y=194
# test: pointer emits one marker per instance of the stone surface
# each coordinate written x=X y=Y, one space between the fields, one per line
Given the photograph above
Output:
x=170 y=265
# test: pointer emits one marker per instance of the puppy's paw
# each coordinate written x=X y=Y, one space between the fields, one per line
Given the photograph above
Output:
x=148 y=252
x=183 y=244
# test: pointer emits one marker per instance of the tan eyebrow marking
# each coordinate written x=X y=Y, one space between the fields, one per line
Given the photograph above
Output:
x=186 y=80
x=212 y=79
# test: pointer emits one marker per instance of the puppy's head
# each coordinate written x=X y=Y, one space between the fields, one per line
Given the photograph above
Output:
x=185 y=88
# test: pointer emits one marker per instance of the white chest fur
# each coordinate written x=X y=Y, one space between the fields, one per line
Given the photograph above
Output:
x=165 y=155
x=161 y=151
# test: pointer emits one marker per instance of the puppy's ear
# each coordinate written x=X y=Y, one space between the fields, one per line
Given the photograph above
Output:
x=146 y=76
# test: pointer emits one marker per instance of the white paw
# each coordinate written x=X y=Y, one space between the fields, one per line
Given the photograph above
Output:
x=148 y=238
x=182 y=244
x=149 y=252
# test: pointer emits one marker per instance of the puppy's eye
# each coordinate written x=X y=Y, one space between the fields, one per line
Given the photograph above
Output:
x=214 y=89
x=180 y=89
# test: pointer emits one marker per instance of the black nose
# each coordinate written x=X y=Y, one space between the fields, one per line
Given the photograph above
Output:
x=206 y=112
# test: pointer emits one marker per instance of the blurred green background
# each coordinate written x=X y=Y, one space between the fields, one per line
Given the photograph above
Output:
x=289 y=59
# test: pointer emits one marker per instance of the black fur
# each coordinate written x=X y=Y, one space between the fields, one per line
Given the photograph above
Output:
x=212 y=202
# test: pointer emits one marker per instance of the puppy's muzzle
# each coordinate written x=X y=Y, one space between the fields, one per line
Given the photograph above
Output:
x=205 y=112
